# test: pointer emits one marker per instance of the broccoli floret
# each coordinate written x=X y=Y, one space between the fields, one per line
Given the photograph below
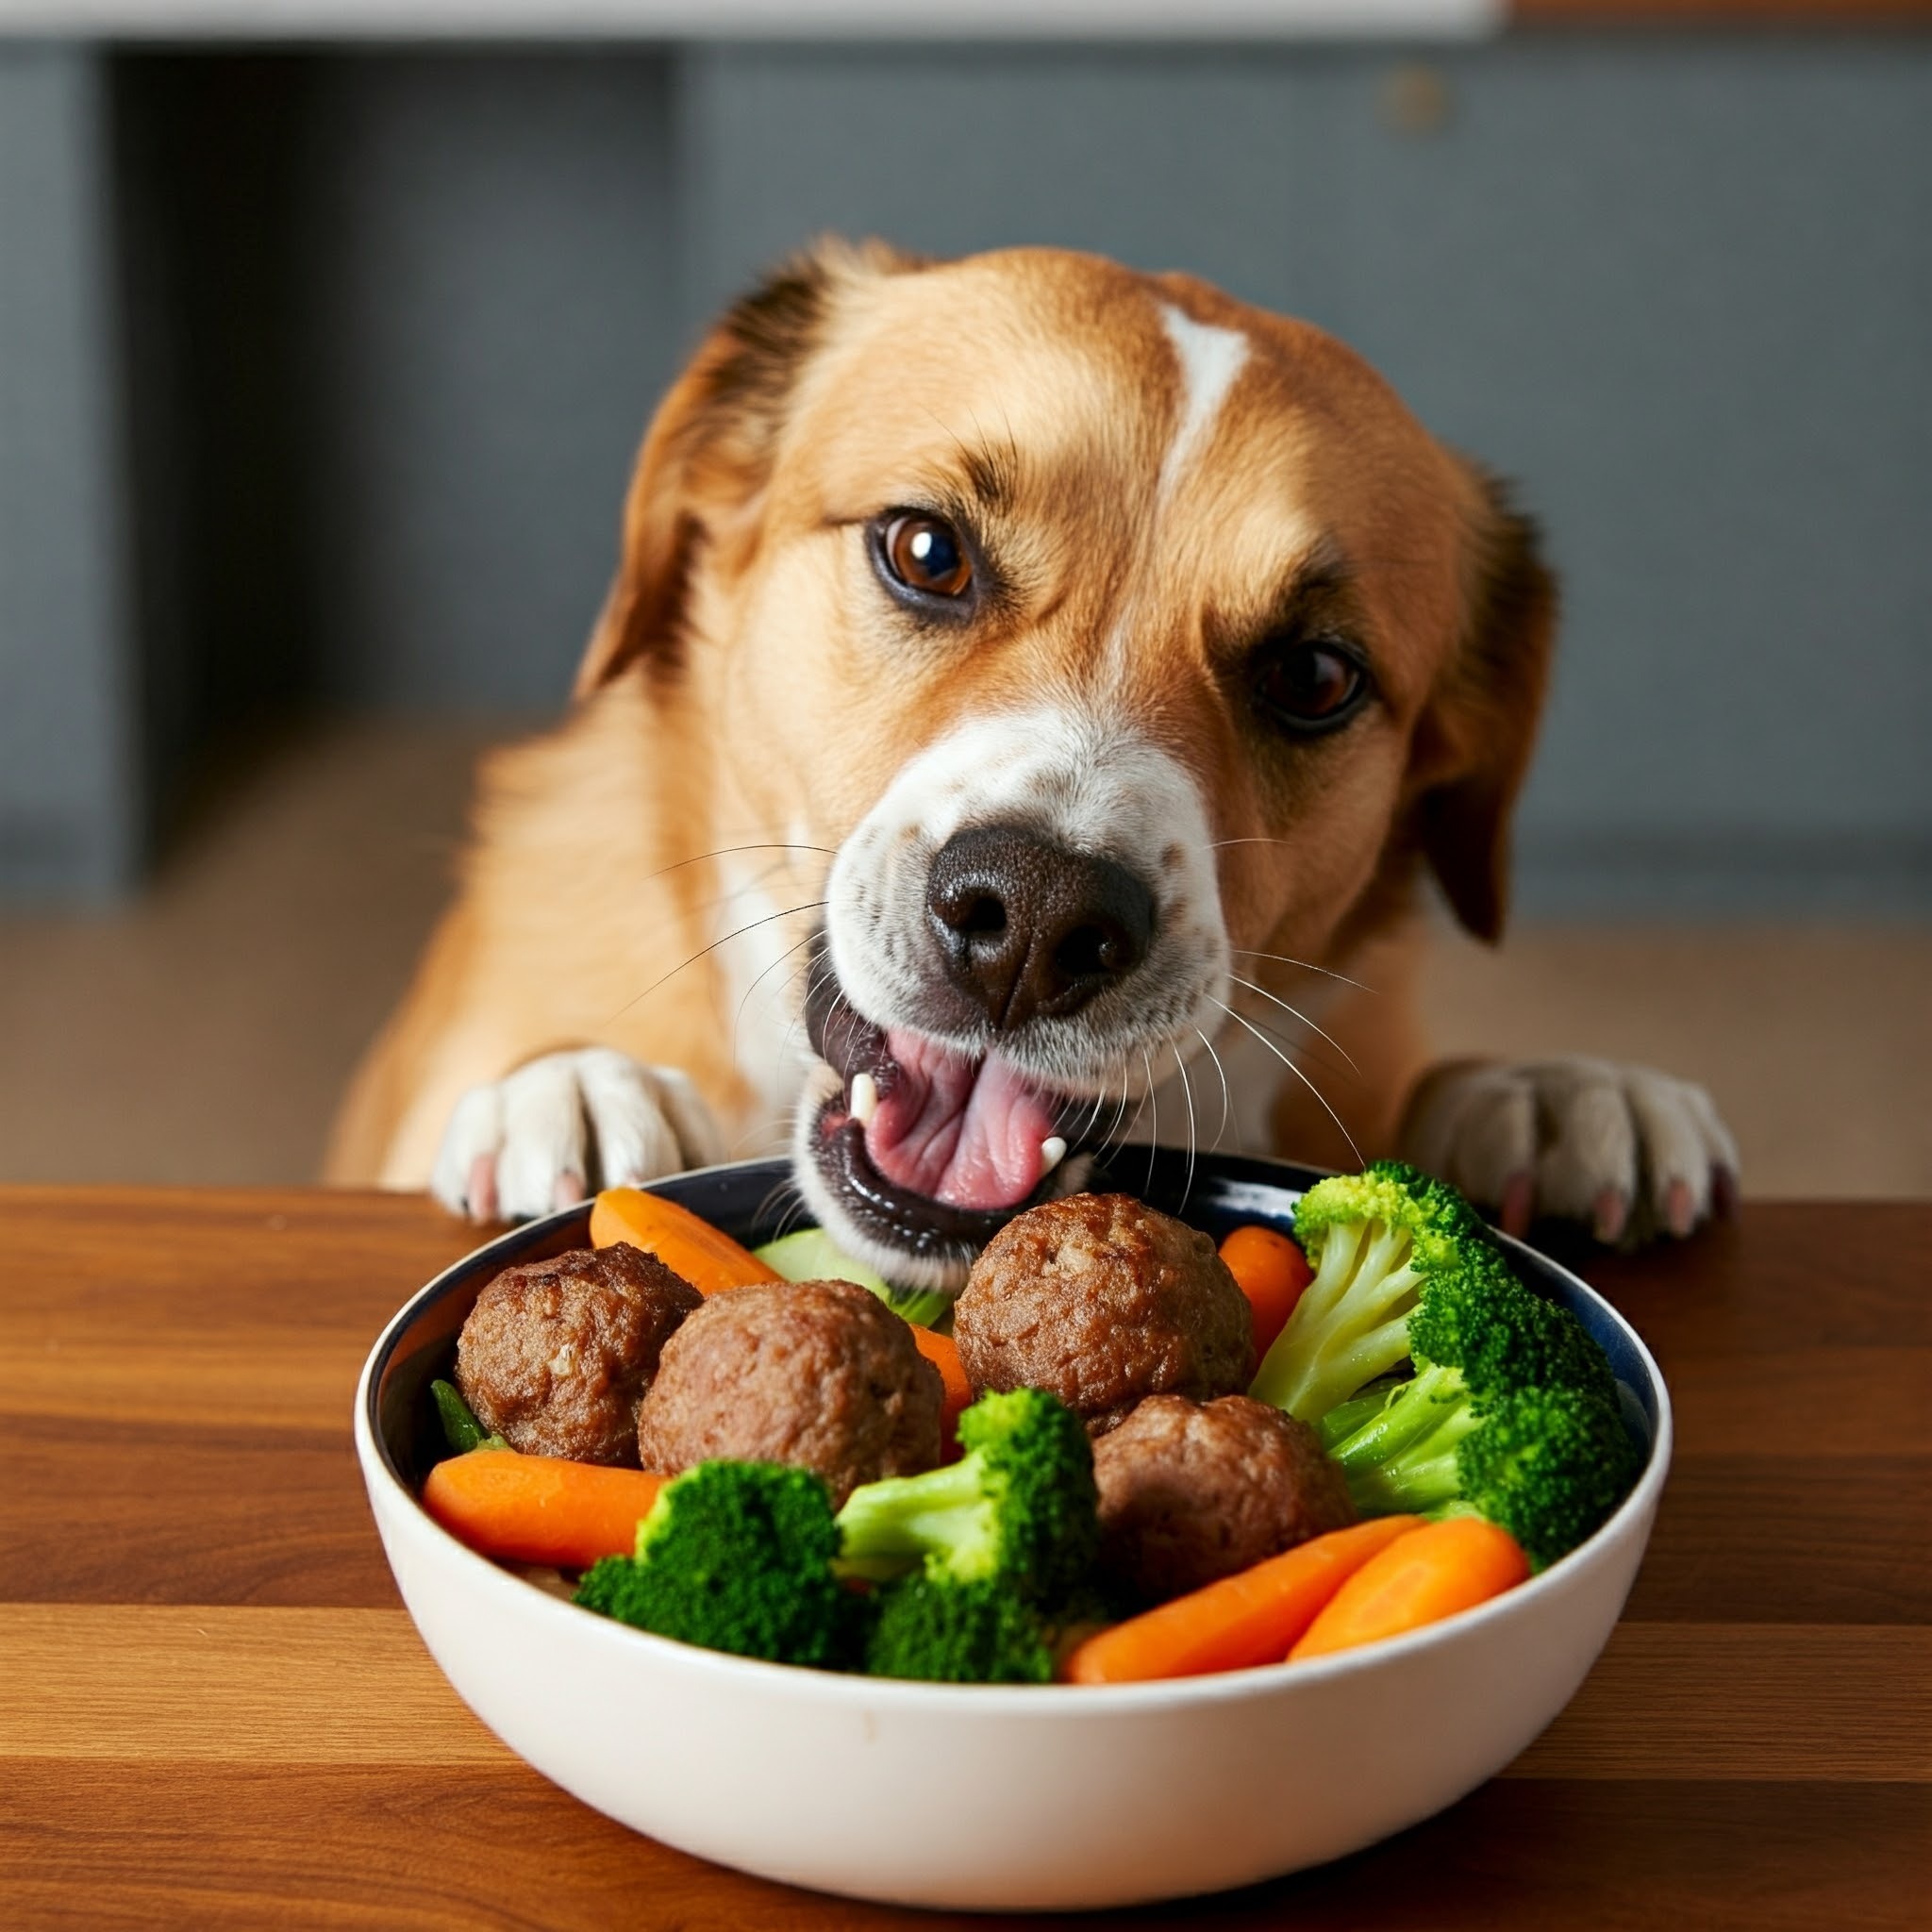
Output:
x=1379 y=1241
x=1019 y=1508
x=1548 y=1465
x=737 y=1557
x=1484 y=1322
x=948 y=1632
x=1405 y=1269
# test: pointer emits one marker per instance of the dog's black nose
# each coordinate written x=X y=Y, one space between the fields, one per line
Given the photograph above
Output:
x=1030 y=928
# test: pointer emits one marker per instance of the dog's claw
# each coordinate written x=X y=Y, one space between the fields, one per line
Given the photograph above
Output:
x=1611 y=1211
x=1680 y=1208
x=1518 y=1207
x=480 y=1191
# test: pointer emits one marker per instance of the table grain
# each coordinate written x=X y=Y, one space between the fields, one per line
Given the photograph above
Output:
x=214 y=1711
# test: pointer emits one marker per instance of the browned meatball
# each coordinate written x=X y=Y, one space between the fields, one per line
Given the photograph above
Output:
x=556 y=1354
x=818 y=1373
x=1103 y=1300
x=1193 y=1492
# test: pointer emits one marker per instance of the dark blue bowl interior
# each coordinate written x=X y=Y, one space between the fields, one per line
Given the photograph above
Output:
x=750 y=1200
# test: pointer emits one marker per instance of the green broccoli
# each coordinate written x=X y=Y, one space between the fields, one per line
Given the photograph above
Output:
x=1019 y=1508
x=1380 y=1242
x=1405 y=1268
x=981 y=1558
x=1485 y=1322
x=1547 y=1464
x=1346 y=1418
x=948 y=1632
x=1476 y=1333
x=736 y=1556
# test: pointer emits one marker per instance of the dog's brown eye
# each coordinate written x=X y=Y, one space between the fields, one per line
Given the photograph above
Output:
x=1308 y=686
x=926 y=555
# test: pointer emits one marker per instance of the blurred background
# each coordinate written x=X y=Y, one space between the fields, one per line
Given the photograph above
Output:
x=323 y=358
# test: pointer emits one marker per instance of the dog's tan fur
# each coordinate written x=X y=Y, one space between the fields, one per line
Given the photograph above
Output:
x=747 y=683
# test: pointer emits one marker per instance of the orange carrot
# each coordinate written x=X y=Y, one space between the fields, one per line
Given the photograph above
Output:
x=1272 y=1271
x=1249 y=1618
x=706 y=1257
x=1420 y=1578
x=539 y=1509
x=939 y=1352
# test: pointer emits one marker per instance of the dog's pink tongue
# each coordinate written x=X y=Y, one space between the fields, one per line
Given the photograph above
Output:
x=965 y=1132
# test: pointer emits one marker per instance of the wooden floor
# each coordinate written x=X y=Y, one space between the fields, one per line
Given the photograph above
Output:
x=204 y=1033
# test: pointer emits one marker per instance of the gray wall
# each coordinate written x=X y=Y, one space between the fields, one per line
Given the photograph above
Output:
x=1680 y=289
x=492 y=309
x=70 y=787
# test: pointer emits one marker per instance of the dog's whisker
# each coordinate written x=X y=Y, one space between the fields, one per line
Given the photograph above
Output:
x=727 y=851
x=1116 y=1133
x=1249 y=953
x=1310 y=1054
x=756 y=884
x=784 y=1188
x=1101 y=1095
x=1154 y=1131
x=1139 y=1106
x=789 y=912
x=1253 y=987
x=821 y=973
x=1227 y=1101
x=1242 y=1019
x=1188 y=1090
x=738 y=1018
x=772 y=1134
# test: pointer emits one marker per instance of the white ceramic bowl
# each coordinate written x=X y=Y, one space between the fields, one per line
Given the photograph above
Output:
x=1030 y=1797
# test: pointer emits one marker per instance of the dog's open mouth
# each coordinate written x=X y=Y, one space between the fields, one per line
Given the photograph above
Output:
x=925 y=1152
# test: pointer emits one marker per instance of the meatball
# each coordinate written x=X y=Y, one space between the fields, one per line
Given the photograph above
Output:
x=556 y=1354
x=818 y=1373
x=1103 y=1300
x=1190 y=1493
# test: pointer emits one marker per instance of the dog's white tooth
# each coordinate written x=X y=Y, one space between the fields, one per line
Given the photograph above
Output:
x=1053 y=1150
x=865 y=1098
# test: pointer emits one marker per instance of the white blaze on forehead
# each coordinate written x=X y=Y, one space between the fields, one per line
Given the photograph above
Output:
x=1211 y=359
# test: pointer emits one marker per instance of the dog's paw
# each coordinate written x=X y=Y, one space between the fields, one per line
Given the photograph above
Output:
x=1626 y=1151
x=540 y=1138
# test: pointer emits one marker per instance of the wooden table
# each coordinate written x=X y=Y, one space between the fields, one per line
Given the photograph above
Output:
x=213 y=1710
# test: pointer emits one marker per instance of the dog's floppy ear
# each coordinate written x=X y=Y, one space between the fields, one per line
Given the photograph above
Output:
x=708 y=452
x=1487 y=716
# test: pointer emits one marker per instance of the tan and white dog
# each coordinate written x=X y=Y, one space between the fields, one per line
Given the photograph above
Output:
x=1029 y=697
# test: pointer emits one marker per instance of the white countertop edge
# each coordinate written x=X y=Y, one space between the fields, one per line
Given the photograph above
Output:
x=726 y=20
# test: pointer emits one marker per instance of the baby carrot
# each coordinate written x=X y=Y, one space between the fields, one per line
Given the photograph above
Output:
x=706 y=1257
x=539 y=1509
x=1250 y=1618
x=1272 y=1271
x=939 y=1352
x=1420 y=1578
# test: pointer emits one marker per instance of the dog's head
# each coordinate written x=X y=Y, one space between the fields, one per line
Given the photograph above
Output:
x=1111 y=633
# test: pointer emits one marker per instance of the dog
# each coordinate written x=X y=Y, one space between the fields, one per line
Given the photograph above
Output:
x=1032 y=696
